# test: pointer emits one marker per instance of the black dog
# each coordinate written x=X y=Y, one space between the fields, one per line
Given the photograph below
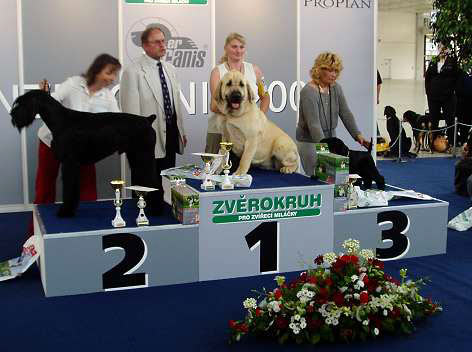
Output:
x=393 y=126
x=420 y=122
x=360 y=162
x=86 y=138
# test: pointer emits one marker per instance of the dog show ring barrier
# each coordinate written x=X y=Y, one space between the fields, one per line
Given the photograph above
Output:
x=277 y=225
x=426 y=131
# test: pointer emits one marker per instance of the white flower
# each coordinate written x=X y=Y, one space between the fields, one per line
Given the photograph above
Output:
x=354 y=278
x=329 y=258
x=296 y=331
x=363 y=269
x=378 y=289
x=351 y=245
x=296 y=317
x=343 y=289
x=365 y=322
x=356 y=287
x=367 y=254
x=360 y=283
x=250 y=303
x=335 y=321
x=385 y=312
x=292 y=326
x=376 y=331
x=357 y=296
x=274 y=306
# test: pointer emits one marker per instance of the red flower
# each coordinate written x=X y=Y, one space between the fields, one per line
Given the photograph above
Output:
x=366 y=280
x=319 y=260
x=310 y=309
x=377 y=263
x=312 y=279
x=258 y=312
x=364 y=297
x=277 y=294
x=338 y=298
x=243 y=328
x=349 y=259
x=313 y=324
x=328 y=282
x=281 y=323
x=323 y=292
x=232 y=324
x=302 y=277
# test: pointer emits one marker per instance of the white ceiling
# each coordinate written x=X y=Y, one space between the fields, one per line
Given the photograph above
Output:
x=419 y=6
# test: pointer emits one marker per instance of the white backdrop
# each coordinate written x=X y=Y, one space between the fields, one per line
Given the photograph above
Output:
x=345 y=27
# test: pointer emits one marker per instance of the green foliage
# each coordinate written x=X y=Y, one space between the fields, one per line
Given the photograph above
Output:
x=452 y=27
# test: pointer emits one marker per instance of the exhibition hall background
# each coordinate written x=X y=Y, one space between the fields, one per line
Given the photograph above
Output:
x=56 y=39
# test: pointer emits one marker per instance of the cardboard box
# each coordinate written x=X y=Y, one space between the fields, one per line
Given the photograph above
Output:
x=167 y=183
x=185 y=204
x=341 y=196
x=332 y=168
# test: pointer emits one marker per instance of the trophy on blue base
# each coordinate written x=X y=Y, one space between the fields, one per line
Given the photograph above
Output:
x=142 y=219
x=226 y=147
x=208 y=158
x=118 y=201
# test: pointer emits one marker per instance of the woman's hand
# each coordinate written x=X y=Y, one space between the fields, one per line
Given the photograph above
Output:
x=44 y=85
x=362 y=141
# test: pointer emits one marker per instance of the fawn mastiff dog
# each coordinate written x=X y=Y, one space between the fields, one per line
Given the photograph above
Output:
x=256 y=140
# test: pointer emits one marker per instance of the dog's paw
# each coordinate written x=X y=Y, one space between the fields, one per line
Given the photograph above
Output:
x=288 y=169
x=65 y=212
x=239 y=172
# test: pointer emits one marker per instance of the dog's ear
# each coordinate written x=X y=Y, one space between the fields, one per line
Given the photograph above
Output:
x=219 y=94
x=250 y=93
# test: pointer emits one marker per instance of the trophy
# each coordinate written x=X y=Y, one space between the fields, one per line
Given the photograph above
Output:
x=208 y=184
x=226 y=184
x=141 y=220
x=118 y=186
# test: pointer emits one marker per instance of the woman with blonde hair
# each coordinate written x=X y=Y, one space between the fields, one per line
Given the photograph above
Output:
x=322 y=101
x=233 y=59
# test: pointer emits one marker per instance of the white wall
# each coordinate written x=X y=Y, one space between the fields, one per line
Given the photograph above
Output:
x=397 y=41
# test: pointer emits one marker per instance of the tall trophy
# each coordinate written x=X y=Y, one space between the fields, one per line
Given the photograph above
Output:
x=142 y=219
x=226 y=184
x=118 y=201
x=208 y=184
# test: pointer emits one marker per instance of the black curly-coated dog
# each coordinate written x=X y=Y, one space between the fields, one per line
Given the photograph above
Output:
x=86 y=138
x=360 y=162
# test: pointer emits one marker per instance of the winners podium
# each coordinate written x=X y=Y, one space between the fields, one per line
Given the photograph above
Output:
x=279 y=224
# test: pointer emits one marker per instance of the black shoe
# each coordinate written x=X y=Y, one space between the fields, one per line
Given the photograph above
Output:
x=411 y=155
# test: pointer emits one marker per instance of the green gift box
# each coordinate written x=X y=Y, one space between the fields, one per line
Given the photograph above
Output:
x=332 y=168
x=321 y=148
x=185 y=204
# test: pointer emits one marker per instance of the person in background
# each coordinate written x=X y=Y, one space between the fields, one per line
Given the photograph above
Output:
x=322 y=102
x=149 y=86
x=233 y=59
x=441 y=80
x=88 y=93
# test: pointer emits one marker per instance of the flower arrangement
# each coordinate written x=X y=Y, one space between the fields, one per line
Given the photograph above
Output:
x=344 y=298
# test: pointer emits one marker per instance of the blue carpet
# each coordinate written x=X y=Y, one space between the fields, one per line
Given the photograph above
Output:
x=193 y=317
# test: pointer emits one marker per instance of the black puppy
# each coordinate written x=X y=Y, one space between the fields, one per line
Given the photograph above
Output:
x=86 y=138
x=360 y=162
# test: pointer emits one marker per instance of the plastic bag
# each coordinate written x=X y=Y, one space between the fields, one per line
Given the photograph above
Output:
x=461 y=222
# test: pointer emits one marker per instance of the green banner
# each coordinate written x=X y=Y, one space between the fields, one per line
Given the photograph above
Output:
x=178 y=2
x=284 y=214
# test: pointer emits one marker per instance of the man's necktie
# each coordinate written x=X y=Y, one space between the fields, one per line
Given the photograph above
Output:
x=165 y=94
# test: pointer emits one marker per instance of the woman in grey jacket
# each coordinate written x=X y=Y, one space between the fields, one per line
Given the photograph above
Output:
x=322 y=101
